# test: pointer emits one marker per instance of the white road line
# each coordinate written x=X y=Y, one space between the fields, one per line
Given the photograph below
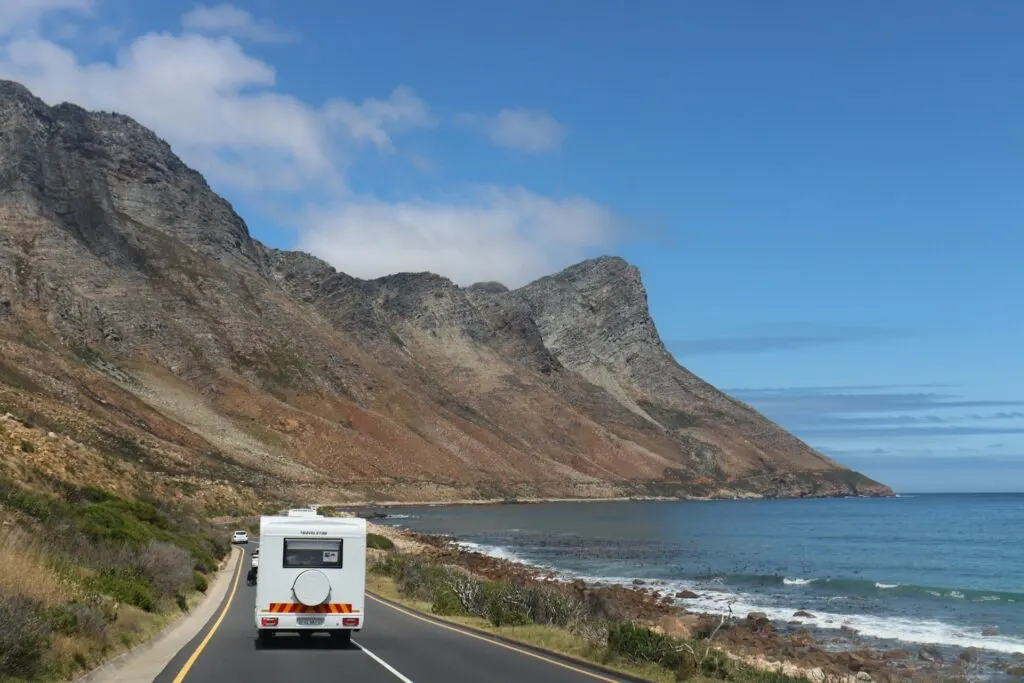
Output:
x=380 y=661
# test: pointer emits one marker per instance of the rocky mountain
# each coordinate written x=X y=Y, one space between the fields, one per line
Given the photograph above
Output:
x=138 y=315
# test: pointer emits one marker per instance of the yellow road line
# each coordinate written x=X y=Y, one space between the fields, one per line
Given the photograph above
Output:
x=202 y=646
x=492 y=641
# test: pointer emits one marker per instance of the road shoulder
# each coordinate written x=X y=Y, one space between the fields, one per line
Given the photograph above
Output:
x=553 y=657
x=144 y=662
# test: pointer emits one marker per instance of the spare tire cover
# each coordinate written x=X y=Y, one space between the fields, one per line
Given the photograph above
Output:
x=312 y=587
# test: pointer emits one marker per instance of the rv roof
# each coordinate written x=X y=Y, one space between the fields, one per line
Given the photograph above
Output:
x=345 y=526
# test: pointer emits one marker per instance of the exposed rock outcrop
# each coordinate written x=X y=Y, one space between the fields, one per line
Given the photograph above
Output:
x=128 y=288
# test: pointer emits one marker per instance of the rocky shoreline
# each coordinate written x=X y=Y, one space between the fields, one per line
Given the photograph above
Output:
x=721 y=495
x=795 y=647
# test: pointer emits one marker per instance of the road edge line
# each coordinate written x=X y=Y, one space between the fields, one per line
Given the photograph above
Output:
x=109 y=669
x=213 y=629
x=398 y=674
x=565 y=661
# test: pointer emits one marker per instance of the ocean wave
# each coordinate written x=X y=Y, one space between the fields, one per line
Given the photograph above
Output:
x=497 y=552
x=908 y=630
x=865 y=587
x=715 y=597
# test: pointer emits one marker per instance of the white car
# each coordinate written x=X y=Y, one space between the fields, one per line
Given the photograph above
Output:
x=240 y=537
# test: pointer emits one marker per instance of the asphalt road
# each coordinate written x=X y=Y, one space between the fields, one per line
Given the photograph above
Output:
x=394 y=646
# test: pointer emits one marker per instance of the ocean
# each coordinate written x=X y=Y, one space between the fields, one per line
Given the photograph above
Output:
x=917 y=569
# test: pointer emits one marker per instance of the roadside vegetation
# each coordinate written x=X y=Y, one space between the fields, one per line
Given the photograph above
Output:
x=378 y=542
x=552 y=618
x=86 y=571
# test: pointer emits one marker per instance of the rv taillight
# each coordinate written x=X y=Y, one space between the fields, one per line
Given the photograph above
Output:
x=350 y=621
x=269 y=621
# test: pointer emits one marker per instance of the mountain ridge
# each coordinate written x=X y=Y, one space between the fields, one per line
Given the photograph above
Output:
x=122 y=272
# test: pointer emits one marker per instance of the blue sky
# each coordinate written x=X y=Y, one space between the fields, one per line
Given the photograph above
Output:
x=824 y=198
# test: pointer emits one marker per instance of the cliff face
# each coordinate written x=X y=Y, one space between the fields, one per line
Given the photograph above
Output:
x=136 y=309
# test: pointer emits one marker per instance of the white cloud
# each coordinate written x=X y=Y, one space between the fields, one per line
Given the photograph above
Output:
x=509 y=235
x=213 y=102
x=530 y=130
x=25 y=14
x=227 y=19
x=222 y=112
x=373 y=119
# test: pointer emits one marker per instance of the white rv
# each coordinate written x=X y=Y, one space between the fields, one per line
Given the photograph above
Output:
x=312 y=576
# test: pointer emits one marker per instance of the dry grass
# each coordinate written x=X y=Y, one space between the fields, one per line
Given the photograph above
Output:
x=29 y=573
x=28 y=570
x=96 y=554
x=549 y=638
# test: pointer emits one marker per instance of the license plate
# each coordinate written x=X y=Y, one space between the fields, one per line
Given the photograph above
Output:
x=309 y=621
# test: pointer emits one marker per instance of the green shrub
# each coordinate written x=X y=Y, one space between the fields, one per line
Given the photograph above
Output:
x=24 y=637
x=415 y=579
x=447 y=603
x=110 y=521
x=63 y=620
x=555 y=607
x=129 y=586
x=452 y=591
x=503 y=604
x=379 y=542
x=641 y=644
x=95 y=494
x=114 y=551
x=28 y=446
x=388 y=565
x=202 y=549
x=78 y=618
x=41 y=507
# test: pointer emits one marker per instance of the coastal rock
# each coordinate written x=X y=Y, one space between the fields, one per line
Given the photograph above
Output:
x=990 y=632
x=897 y=654
x=804 y=614
x=815 y=675
x=287 y=377
x=797 y=654
x=759 y=622
x=682 y=627
x=708 y=624
x=803 y=638
x=686 y=595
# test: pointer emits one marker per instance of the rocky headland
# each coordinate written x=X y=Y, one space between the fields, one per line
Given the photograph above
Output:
x=139 y=315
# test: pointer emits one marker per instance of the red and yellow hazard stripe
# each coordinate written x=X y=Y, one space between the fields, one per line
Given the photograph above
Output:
x=293 y=607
